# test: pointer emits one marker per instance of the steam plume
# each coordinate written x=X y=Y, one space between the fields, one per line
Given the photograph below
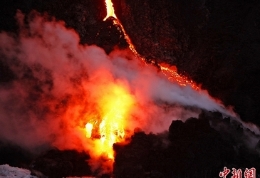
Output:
x=58 y=81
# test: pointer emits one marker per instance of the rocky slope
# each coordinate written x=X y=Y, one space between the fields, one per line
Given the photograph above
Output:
x=186 y=151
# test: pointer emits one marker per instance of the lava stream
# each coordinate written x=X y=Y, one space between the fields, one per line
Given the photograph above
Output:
x=108 y=125
x=169 y=71
x=110 y=9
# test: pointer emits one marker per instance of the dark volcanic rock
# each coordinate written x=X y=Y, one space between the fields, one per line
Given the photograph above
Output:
x=194 y=149
x=56 y=163
x=110 y=35
x=14 y=155
x=82 y=15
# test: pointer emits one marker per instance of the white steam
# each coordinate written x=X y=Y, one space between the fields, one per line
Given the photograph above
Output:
x=56 y=79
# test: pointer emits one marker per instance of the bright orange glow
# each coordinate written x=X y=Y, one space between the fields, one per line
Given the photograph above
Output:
x=110 y=9
x=171 y=73
x=106 y=124
x=115 y=107
x=89 y=128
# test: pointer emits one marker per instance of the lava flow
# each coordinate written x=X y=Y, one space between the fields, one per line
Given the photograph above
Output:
x=169 y=71
x=95 y=99
x=109 y=126
x=110 y=10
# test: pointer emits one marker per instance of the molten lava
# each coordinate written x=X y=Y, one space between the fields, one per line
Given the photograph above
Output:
x=110 y=9
x=109 y=127
x=107 y=124
x=169 y=71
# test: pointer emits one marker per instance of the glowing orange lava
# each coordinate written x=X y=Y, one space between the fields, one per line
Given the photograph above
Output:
x=110 y=9
x=107 y=125
x=169 y=71
x=114 y=109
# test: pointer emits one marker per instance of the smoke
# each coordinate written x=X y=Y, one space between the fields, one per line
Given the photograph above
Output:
x=58 y=83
